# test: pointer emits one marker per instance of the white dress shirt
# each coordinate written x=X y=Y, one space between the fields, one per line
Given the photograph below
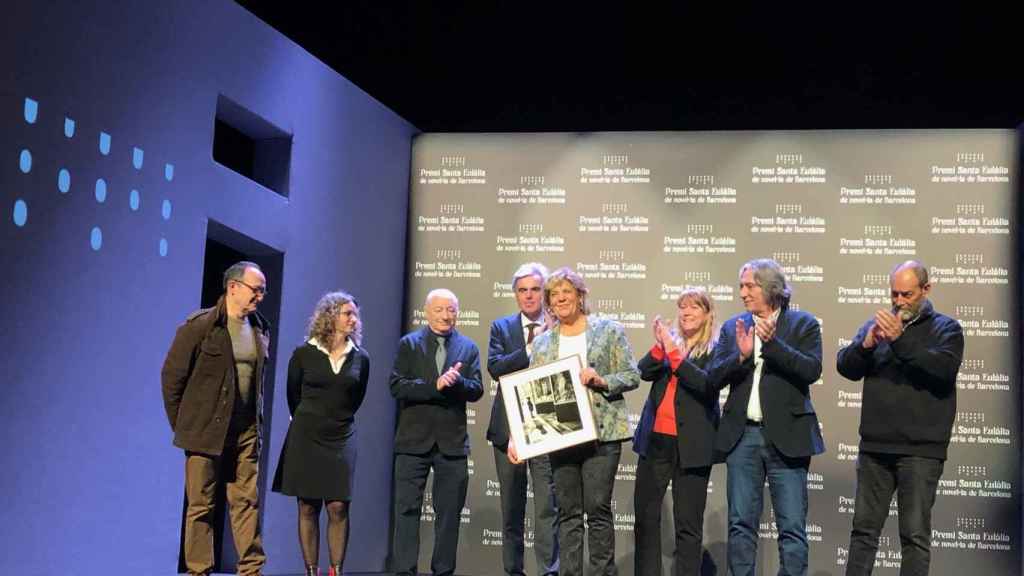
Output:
x=754 y=405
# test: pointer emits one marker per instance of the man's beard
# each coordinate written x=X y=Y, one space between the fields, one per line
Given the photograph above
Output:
x=906 y=314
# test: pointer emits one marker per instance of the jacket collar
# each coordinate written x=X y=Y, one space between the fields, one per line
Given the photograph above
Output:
x=927 y=310
x=429 y=335
x=220 y=317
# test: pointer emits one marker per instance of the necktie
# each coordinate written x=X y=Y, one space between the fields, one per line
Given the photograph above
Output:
x=530 y=328
x=440 y=355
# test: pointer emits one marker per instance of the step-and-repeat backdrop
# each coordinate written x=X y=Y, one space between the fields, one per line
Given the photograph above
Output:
x=642 y=216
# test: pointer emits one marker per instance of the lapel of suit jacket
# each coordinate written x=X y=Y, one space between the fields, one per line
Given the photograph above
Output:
x=782 y=324
x=748 y=322
x=591 y=338
x=515 y=326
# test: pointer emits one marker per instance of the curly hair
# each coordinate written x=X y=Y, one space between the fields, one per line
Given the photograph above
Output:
x=322 y=322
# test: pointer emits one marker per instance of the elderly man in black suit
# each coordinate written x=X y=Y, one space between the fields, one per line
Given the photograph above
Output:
x=768 y=356
x=509 y=350
x=436 y=371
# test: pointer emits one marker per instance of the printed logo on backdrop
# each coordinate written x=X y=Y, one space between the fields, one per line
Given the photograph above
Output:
x=451 y=218
x=700 y=189
x=788 y=219
x=798 y=271
x=873 y=289
x=532 y=190
x=967 y=268
x=530 y=238
x=719 y=291
x=977 y=324
x=974 y=428
x=789 y=169
x=614 y=217
x=878 y=240
x=974 y=481
x=612 y=265
x=615 y=309
x=700 y=239
x=970 y=533
x=970 y=220
x=878 y=189
x=448 y=263
x=452 y=171
x=888 y=555
x=973 y=376
x=615 y=169
x=970 y=168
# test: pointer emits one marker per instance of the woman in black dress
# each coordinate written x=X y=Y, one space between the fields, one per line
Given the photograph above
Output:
x=326 y=384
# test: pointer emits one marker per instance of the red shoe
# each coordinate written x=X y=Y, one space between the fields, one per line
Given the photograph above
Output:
x=334 y=570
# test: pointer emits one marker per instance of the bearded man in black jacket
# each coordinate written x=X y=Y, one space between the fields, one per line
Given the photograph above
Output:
x=909 y=357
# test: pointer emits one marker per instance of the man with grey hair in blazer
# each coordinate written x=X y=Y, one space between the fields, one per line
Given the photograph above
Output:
x=436 y=372
x=508 y=350
x=768 y=356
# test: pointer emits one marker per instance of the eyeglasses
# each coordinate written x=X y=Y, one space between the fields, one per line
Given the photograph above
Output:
x=260 y=290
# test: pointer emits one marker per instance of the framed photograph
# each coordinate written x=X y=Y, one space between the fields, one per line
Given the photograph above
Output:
x=548 y=408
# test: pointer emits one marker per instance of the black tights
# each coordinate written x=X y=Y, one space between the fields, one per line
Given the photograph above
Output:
x=309 y=530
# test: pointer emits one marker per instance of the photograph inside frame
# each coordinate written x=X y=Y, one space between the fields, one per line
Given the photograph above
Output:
x=548 y=408
x=547 y=405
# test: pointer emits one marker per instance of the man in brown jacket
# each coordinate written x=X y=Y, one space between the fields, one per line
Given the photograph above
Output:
x=212 y=382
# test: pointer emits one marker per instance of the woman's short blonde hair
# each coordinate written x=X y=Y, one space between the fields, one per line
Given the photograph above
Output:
x=706 y=338
x=566 y=275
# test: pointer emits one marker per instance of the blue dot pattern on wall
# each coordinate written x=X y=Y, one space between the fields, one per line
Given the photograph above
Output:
x=64 y=181
x=96 y=238
x=20 y=212
x=31 y=110
x=25 y=161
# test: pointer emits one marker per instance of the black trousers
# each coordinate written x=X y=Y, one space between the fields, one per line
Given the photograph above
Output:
x=513 y=481
x=451 y=478
x=689 y=495
x=914 y=479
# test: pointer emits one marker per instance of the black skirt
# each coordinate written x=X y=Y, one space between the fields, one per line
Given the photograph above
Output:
x=318 y=458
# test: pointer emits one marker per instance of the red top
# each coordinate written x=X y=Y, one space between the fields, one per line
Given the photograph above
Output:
x=665 y=417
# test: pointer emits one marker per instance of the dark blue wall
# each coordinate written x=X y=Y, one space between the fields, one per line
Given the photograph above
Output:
x=92 y=481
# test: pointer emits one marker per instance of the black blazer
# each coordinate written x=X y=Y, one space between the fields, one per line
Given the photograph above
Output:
x=506 y=353
x=696 y=402
x=425 y=415
x=792 y=362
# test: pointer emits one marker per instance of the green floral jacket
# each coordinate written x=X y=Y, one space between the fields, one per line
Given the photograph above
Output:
x=609 y=353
